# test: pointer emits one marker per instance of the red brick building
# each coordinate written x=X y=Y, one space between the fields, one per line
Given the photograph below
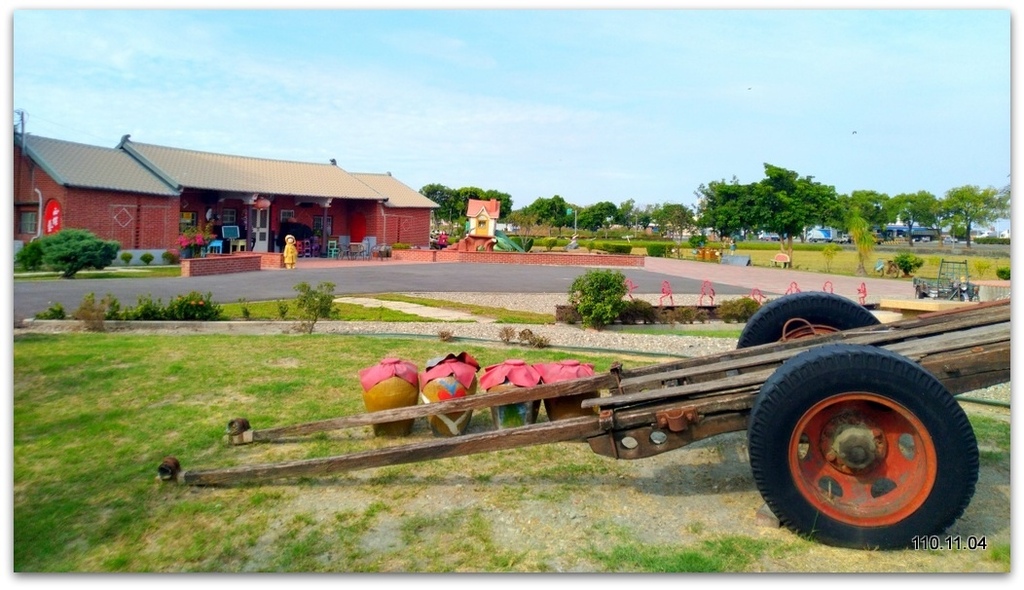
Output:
x=145 y=195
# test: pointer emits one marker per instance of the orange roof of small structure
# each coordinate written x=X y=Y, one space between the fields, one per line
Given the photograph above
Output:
x=492 y=207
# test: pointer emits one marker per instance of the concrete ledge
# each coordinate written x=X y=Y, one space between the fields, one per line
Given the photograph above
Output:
x=991 y=290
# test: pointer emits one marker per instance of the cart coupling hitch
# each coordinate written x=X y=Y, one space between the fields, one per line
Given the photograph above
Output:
x=677 y=419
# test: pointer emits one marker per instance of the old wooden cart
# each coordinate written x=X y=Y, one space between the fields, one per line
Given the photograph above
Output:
x=854 y=436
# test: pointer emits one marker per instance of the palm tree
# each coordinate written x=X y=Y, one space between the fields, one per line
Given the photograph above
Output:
x=863 y=239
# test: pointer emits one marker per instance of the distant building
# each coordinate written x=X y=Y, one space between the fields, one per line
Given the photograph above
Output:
x=145 y=195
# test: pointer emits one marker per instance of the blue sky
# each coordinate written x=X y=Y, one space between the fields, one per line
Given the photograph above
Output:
x=592 y=105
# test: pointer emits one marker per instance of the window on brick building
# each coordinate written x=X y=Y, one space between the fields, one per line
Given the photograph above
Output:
x=318 y=224
x=187 y=220
x=28 y=222
x=287 y=214
x=227 y=217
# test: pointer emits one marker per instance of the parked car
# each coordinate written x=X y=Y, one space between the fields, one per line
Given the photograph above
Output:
x=948 y=240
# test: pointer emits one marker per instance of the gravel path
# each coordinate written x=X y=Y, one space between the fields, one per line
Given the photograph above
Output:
x=558 y=335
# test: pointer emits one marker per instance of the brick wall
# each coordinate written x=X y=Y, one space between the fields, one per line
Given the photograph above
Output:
x=544 y=258
x=406 y=226
x=219 y=264
x=137 y=221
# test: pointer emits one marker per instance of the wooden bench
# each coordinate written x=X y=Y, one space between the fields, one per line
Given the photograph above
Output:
x=781 y=259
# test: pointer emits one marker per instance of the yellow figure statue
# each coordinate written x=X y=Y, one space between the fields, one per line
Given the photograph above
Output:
x=291 y=253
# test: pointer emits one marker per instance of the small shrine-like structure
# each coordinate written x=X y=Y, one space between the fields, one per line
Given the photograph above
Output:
x=481 y=227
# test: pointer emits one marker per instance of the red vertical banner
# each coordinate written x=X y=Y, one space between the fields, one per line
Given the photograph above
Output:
x=53 y=217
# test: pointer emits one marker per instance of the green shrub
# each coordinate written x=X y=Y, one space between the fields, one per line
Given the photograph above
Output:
x=698 y=241
x=597 y=296
x=992 y=240
x=1003 y=272
x=126 y=257
x=193 y=307
x=71 y=250
x=145 y=310
x=30 y=257
x=401 y=246
x=170 y=257
x=54 y=312
x=314 y=304
x=615 y=248
x=686 y=315
x=737 y=310
x=981 y=267
x=113 y=307
x=282 y=309
x=638 y=311
x=829 y=252
x=243 y=303
x=908 y=263
x=657 y=250
x=146 y=258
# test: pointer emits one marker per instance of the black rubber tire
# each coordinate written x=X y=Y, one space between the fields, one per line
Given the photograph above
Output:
x=817 y=307
x=835 y=371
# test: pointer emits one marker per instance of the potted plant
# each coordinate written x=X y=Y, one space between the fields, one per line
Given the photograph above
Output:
x=192 y=240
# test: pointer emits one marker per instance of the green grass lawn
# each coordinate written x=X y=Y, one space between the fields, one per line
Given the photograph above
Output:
x=95 y=413
x=111 y=272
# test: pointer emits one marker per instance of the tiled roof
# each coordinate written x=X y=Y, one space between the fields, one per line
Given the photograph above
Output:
x=86 y=166
x=205 y=170
x=397 y=193
x=492 y=207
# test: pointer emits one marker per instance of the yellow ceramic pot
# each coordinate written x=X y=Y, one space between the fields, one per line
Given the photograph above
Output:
x=567 y=406
x=390 y=384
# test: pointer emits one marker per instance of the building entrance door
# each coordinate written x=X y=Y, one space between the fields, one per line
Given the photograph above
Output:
x=260 y=230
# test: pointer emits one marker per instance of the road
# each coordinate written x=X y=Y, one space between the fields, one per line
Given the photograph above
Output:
x=684 y=277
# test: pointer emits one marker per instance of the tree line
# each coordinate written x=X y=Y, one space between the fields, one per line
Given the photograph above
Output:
x=783 y=202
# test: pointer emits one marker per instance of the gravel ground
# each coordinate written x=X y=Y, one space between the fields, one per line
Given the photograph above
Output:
x=558 y=335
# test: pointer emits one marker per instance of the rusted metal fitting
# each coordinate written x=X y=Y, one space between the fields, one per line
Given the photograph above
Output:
x=606 y=420
x=677 y=419
x=238 y=426
x=169 y=469
x=239 y=431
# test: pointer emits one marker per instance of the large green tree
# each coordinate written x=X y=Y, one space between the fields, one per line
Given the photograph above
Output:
x=872 y=206
x=596 y=216
x=915 y=209
x=785 y=203
x=723 y=206
x=550 y=211
x=453 y=202
x=968 y=205
x=674 y=217
x=449 y=208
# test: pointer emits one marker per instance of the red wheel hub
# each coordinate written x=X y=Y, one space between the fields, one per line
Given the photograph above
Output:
x=862 y=459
